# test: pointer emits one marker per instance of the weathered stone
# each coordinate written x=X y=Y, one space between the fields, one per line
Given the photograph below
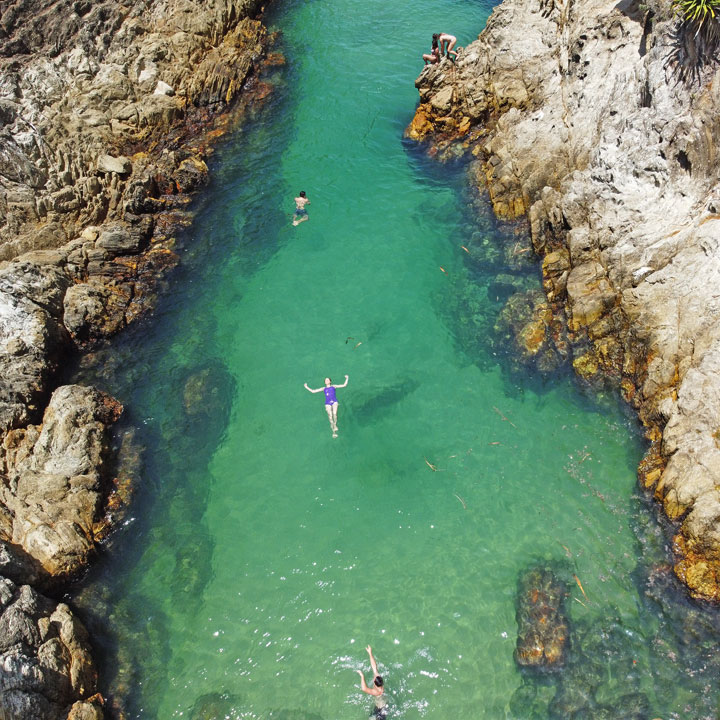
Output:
x=109 y=164
x=55 y=488
x=594 y=126
x=45 y=659
x=162 y=88
x=31 y=338
x=542 y=627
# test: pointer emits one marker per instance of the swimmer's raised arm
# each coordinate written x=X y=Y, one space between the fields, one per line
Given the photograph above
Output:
x=373 y=664
x=347 y=377
x=313 y=391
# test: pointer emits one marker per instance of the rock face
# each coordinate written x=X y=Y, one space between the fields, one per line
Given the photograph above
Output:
x=103 y=107
x=46 y=671
x=107 y=114
x=88 y=88
x=31 y=338
x=592 y=119
x=54 y=491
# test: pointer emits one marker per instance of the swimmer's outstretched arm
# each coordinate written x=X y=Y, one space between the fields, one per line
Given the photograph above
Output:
x=373 y=664
x=314 y=391
x=347 y=377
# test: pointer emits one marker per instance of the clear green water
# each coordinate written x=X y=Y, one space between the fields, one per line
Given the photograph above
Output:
x=263 y=555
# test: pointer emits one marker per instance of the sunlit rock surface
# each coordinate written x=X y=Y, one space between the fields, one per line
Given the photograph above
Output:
x=591 y=119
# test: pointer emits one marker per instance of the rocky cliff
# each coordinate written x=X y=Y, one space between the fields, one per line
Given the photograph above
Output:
x=105 y=112
x=598 y=121
x=107 y=115
x=46 y=670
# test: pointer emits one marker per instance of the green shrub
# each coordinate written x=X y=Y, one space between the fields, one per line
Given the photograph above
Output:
x=698 y=12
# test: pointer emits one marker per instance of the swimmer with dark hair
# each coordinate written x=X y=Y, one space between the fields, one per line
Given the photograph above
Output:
x=300 y=212
x=377 y=690
x=331 y=402
x=434 y=55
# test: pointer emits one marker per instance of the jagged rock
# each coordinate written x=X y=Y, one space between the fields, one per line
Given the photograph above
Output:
x=31 y=338
x=600 y=129
x=83 y=86
x=46 y=670
x=54 y=485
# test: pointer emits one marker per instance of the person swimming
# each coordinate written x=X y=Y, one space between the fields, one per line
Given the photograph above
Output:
x=331 y=401
x=300 y=212
x=377 y=690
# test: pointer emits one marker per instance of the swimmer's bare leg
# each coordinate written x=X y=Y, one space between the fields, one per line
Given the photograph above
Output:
x=297 y=221
x=334 y=412
x=333 y=426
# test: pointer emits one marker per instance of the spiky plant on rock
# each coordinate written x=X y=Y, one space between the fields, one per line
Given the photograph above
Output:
x=699 y=31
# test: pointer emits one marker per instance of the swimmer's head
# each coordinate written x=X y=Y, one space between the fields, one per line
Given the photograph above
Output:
x=328 y=381
x=436 y=36
x=378 y=681
x=302 y=193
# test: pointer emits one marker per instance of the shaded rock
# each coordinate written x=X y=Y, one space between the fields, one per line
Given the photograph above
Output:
x=47 y=670
x=54 y=488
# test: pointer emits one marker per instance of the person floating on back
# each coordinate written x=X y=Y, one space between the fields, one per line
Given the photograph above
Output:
x=331 y=403
x=377 y=689
x=434 y=55
x=447 y=43
x=300 y=212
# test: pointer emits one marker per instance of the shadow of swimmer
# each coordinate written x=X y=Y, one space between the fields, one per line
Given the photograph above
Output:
x=370 y=405
x=232 y=707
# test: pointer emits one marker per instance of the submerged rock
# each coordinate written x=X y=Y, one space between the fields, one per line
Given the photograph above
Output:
x=526 y=324
x=542 y=626
x=217 y=705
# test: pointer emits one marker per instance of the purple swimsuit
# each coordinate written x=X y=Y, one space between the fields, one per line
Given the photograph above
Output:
x=330 y=398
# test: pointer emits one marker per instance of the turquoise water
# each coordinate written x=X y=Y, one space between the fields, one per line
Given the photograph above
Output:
x=263 y=555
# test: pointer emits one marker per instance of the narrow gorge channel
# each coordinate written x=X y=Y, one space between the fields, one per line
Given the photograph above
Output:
x=263 y=555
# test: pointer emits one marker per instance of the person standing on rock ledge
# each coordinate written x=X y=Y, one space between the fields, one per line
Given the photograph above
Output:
x=377 y=689
x=300 y=212
x=331 y=403
x=447 y=43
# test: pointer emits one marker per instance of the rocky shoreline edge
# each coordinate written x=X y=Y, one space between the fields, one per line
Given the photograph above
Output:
x=108 y=112
x=598 y=122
